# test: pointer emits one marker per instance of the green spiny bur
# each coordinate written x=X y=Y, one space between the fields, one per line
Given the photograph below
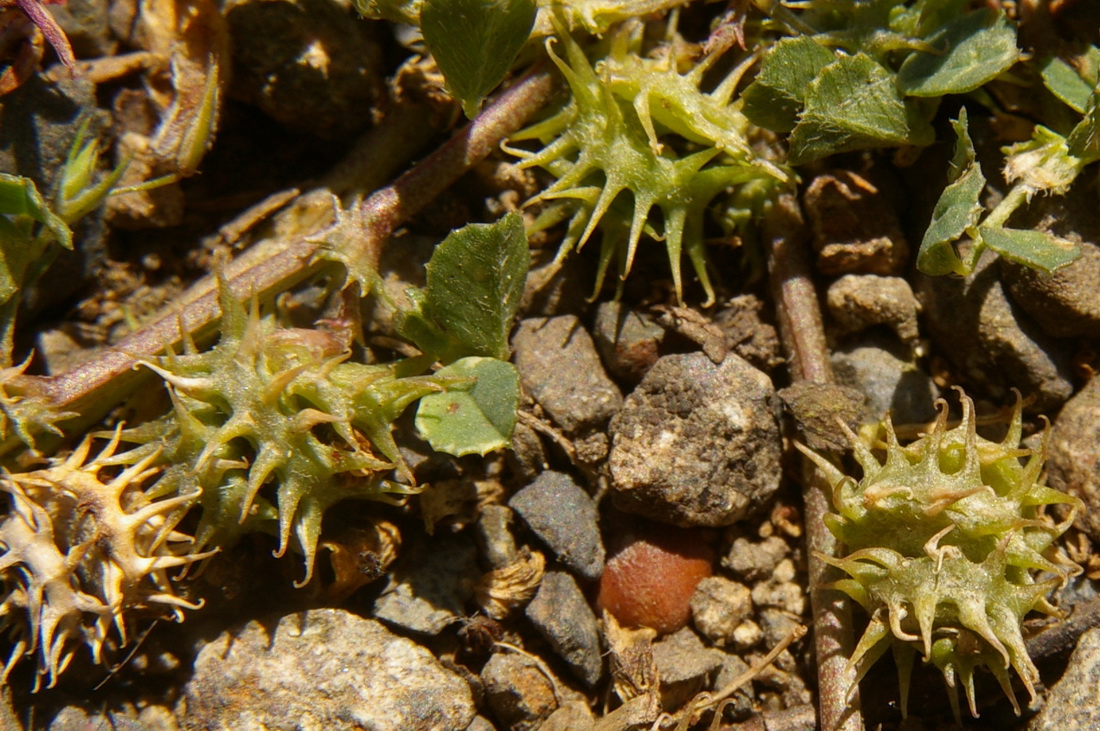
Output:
x=946 y=539
x=280 y=408
x=605 y=149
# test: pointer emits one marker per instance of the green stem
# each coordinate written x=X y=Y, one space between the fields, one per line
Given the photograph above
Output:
x=277 y=264
x=803 y=337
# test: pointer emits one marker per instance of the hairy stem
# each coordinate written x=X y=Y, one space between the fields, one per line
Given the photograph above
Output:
x=276 y=264
x=803 y=338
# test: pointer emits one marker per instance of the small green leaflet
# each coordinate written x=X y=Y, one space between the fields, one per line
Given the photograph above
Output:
x=976 y=48
x=852 y=105
x=957 y=209
x=1036 y=249
x=1084 y=141
x=473 y=420
x=774 y=99
x=475 y=282
x=475 y=42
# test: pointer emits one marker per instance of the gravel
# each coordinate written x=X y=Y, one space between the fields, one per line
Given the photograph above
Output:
x=560 y=369
x=564 y=517
x=697 y=444
x=561 y=614
x=324 y=669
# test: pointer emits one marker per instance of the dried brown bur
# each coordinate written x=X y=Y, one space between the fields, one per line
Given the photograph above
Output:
x=360 y=555
x=502 y=590
x=167 y=127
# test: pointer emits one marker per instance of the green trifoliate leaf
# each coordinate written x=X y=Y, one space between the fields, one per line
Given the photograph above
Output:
x=853 y=105
x=1064 y=82
x=474 y=42
x=1036 y=249
x=475 y=281
x=957 y=209
x=1084 y=141
x=475 y=420
x=775 y=98
x=975 y=49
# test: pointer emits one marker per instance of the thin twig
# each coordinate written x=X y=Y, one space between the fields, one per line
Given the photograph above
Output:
x=803 y=337
x=274 y=265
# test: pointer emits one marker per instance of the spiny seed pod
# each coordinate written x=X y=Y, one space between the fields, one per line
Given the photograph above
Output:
x=282 y=413
x=607 y=141
x=948 y=550
x=81 y=550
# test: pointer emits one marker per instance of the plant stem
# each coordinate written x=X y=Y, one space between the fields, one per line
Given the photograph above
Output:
x=276 y=264
x=803 y=337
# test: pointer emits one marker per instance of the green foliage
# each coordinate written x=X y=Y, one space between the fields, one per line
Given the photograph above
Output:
x=945 y=539
x=475 y=42
x=1043 y=164
x=475 y=419
x=891 y=57
x=474 y=284
x=639 y=135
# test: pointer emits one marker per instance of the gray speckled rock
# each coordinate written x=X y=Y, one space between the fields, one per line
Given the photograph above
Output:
x=993 y=343
x=696 y=444
x=325 y=669
x=561 y=615
x=1074 y=702
x=559 y=368
x=562 y=515
x=431 y=582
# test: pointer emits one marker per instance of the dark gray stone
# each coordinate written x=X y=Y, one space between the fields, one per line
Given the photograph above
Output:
x=322 y=669
x=992 y=342
x=494 y=535
x=560 y=613
x=559 y=368
x=430 y=584
x=697 y=444
x=628 y=341
x=562 y=515
x=1073 y=704
x=879 y=368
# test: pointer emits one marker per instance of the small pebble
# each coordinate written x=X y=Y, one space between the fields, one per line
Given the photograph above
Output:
x=733 y=668
x=859 y=301
x=1074 y=701
x=878 y=367
x=494 y=535
x=697 y=443
x=322 y=669
x=560 y=369
x=1073 y=461
x=684 y=664
x=564 y=517
x=651 y=575
x=571 y=716
x=752 y=561
x=561 y=614
x=518 y=693
x=993 y=343
x=718 y=607
x=628 y=341
x=1064 y=303
x=431 y=582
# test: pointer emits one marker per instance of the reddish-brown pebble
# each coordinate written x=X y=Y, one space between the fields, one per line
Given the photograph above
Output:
x=649 y=579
